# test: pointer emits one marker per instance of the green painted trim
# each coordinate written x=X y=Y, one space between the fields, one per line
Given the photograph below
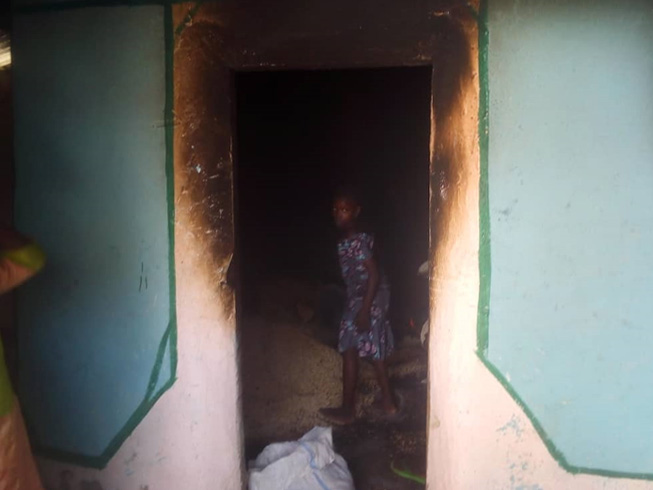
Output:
x=188 y=18
x=484 y=256
x=36 y=8
x=169 y=45
x=550 y=445
x=169 y=339
x=134 y=420
x=156 y=370
x=407 y=474
x=80 y=4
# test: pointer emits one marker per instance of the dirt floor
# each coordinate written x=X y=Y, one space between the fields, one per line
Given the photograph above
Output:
x=371 y=446
x=290 y=369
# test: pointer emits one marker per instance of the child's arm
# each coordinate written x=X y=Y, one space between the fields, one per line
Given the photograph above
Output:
x=374 y=278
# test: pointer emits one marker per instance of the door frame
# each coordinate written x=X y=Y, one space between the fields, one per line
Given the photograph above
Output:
x=214 y=40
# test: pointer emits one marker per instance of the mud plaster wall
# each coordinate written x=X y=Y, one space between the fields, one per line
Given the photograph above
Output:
x=478 y=436
x=216 y=38
x=191 y=438
x=570 y=219
x=91 y=187
x=193 y=432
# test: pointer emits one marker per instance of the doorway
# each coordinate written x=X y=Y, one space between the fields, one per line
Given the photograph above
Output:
x=300 y=135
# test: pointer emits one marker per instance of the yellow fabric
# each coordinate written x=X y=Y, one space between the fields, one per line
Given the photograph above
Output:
x=30 y=256
x=19 y=264
x=6 y=393
x=17 y=467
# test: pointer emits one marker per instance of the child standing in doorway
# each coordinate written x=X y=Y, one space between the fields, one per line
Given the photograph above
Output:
x=364 y=329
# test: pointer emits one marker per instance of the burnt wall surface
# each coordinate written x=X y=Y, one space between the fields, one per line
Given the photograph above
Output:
x=216 y=39
x=194 y=58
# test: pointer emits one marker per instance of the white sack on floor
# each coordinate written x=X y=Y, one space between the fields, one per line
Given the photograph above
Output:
x=307 y=464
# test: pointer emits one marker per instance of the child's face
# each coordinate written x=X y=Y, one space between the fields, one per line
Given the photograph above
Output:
x=345 y=212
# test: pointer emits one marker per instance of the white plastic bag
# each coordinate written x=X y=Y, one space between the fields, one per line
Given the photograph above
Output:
x=307 y=464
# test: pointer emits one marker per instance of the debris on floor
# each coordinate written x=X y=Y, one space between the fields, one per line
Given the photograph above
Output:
x=290 y=369
x=309 y=463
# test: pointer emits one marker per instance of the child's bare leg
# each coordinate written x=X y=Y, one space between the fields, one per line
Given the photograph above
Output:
x=349 y=379
x=346 y=414
x=388 y=401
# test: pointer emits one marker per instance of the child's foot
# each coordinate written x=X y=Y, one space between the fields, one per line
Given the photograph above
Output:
x=338 y=416
x=389 y=408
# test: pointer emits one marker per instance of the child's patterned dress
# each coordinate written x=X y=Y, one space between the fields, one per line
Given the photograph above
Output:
x=376 y=343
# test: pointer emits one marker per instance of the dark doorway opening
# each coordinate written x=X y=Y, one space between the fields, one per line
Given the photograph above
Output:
x=300 y=134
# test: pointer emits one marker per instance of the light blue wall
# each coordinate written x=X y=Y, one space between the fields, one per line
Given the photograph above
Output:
x=91 y=187
x=571 y=220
